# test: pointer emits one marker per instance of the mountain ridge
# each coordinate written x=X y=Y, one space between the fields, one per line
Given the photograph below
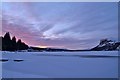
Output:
x=9 y=44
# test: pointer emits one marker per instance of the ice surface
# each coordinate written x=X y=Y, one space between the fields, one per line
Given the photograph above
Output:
x=89 y=64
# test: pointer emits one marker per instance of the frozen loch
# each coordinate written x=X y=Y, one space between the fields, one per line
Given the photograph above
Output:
x=96 y=64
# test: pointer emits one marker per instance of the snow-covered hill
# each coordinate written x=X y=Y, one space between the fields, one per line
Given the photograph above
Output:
x=107 y=45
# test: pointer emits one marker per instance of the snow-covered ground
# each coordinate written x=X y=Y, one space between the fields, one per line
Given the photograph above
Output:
x=96 y=64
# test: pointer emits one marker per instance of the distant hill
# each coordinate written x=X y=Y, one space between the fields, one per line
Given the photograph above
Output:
x=106 y=45
x=52 y=49
x=45 y=49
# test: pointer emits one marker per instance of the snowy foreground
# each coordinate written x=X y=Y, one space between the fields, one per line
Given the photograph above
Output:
x=102 y=64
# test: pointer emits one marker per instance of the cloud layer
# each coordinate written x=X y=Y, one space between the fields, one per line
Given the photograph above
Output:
x=65 y=25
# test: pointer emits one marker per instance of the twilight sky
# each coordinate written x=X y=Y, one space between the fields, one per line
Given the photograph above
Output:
x=63 y=25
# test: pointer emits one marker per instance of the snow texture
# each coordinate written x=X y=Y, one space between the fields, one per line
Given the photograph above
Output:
x=89 y=64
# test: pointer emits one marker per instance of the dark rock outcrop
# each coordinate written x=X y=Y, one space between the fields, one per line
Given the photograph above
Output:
x=9 y=44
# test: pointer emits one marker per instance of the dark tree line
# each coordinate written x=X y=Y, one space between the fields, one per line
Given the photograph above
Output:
x=9 y=44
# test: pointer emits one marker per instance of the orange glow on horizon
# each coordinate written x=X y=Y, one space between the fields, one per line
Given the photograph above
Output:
x=42 y=46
